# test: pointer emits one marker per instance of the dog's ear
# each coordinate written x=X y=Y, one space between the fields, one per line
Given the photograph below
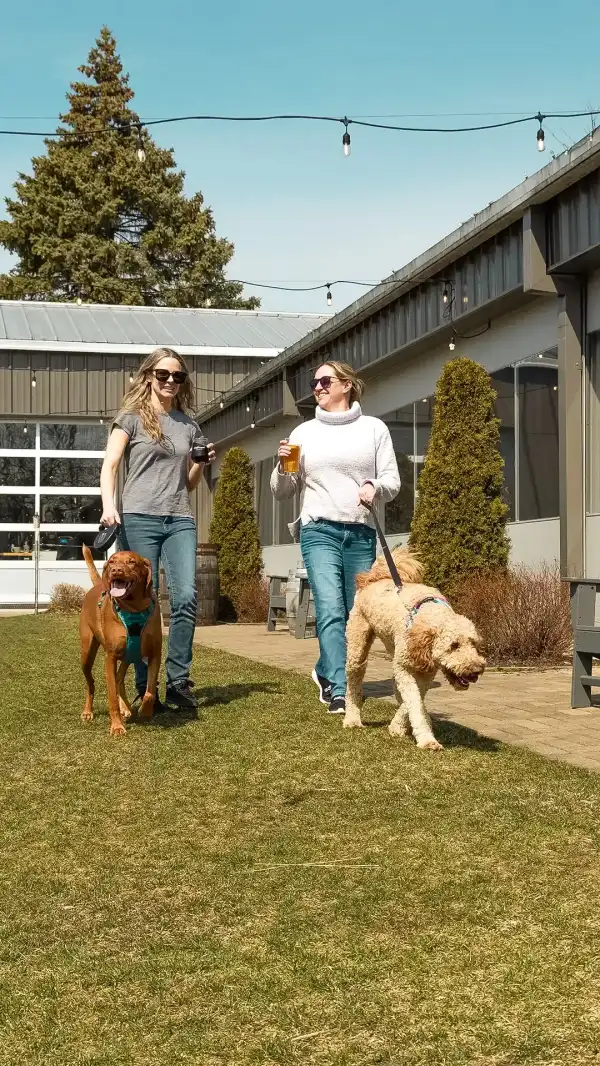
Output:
x=106 y=576
x=148 y=575
x=419 y=644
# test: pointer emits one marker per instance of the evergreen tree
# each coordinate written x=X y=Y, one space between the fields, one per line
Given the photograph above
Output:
x=234 y=526
x=460 y=518
x=104 y=217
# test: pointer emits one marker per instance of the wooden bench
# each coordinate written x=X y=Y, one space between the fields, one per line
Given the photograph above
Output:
x=586 y=641
x=277 y=603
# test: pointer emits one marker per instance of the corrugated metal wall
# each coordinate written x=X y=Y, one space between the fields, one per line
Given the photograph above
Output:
x=573 y=221
x=91 y=385
x=490 y=271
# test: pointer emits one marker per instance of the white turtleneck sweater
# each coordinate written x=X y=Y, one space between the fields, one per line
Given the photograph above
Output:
x=340 y=452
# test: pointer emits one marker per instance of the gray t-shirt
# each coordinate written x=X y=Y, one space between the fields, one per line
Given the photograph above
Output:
x=156 y=472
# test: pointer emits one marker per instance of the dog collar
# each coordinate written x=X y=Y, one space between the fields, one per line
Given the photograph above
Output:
x=414 y=610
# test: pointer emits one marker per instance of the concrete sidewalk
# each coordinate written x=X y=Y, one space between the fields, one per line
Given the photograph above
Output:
x=530 y=709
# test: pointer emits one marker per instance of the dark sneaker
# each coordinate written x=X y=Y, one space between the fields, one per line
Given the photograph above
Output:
x=324 y=687
x=159 y=706
x=182 y=696
x=337 y=705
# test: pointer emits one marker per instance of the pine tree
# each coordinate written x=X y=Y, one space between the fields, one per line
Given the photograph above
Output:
x=234 y=526
x=460 y=518
x=96 y=222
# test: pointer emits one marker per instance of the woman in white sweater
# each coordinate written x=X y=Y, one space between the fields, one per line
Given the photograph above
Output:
x=346 y=460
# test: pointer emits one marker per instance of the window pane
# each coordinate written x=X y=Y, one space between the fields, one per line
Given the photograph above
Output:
x=17 y=471
x=538 y=442
x=503 y=382
x=71 y=509
x=424 y=419
x=17 y=547
x=17 y=509
x=12 y=435
x=81 y=472
x=399 y=511
x=73 y=438
x=66 y=547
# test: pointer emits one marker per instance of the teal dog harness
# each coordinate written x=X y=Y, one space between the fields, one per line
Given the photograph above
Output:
x=135 y=623
x=413 y=611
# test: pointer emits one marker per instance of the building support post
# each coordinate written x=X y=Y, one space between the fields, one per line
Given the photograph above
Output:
x=571 y=436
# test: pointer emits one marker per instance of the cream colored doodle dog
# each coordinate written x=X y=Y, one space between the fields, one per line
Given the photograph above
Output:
x=422 y=634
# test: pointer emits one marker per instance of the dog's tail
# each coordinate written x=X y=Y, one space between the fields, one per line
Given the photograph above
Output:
x=94 y=575
x=407 y=563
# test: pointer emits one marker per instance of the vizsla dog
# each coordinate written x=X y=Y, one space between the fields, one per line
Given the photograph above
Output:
x=420 y=632
x=120 y=613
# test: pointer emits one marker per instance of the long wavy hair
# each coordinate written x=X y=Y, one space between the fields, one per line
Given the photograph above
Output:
x=138 y=397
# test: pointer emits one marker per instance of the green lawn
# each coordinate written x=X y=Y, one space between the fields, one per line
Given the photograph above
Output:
x=259 y=886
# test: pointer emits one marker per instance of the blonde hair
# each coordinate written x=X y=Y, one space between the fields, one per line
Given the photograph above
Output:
x=138 y=398
x=345 y=373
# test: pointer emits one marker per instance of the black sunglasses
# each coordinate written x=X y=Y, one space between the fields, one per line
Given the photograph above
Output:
x=179 y=376
x=324 y=382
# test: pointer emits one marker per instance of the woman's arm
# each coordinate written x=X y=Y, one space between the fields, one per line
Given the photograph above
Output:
x=284 y=485
x=387 y=481
x=117 y=442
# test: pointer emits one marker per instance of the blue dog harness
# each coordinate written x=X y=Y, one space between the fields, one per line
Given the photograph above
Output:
x=134 y=623
x=413 y=611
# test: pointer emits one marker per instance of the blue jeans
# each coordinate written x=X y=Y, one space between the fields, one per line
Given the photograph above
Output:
x=334 y=553
x=173 y=539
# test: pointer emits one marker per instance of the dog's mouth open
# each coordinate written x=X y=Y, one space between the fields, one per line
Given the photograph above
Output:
x=460 y=681
x=119 y=587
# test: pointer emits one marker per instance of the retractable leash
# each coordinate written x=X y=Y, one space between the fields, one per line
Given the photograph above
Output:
x=384 y=546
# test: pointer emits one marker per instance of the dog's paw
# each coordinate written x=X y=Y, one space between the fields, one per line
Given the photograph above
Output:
x=431 y=745
x=87 y=716
x=117 y=729
x=352 y=721
x=398 y=730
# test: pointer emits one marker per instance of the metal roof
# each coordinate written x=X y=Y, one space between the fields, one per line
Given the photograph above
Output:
x=39 y=326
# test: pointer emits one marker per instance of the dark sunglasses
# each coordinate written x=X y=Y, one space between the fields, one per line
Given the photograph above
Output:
x=324 y=382
x=179 y=376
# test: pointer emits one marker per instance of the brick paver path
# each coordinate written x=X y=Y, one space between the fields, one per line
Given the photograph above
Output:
x=530 y=709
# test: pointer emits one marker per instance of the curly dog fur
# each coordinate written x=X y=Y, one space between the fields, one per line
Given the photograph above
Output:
x=435 y=639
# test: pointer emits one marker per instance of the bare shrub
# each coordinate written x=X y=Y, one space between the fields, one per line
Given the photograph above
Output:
x=66 y=599
x=523 y=614
x=251 y=599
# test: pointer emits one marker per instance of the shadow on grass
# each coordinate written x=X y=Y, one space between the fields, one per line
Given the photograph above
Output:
x=207 y=697
x=449 y=733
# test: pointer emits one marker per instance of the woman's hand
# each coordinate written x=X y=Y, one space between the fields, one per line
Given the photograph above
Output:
x=366 y=493
x=212 y=455
x=283 y=452
x=110 y=516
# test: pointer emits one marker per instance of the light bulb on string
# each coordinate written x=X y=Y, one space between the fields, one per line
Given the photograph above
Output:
x=79 y=301
x=452 y=344
x=221 y=404
x=33 y=381
x=346 y=138
x=329 y=296
x=25 y=428
x=131 y=377
x=540 y=135
x=102 y=420
x=141 y=154
x=445 y=295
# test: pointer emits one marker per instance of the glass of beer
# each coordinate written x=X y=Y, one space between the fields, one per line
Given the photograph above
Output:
x=290 y=464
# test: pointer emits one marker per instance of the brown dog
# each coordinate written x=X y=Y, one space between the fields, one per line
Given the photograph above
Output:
x=127 y=581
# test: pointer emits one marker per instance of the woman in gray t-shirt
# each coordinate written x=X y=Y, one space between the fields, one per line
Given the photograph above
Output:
x=156 y=435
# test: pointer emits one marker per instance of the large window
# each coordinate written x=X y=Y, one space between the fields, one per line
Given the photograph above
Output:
x=527 y=406
x=273 y=515
x=52 y=470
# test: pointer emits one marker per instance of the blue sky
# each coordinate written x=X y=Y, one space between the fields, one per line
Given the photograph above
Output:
x=296 y=209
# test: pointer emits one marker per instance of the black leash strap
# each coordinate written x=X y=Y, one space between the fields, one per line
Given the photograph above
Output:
x=384 y=546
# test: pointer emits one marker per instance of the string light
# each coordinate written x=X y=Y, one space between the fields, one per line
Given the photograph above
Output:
x=141 y=154
x=131 y=377
x=540 y=135
x=33 y=381
x=445 y=295
x=452 y=344
x=79 y=301
x=329 y=296
x=25 y=428
x=346 y=138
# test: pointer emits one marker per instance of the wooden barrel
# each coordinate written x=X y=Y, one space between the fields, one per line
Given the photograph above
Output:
x=207 y=584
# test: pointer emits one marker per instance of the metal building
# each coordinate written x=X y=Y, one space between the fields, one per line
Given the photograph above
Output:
x=517 y=288
x=63 y=371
